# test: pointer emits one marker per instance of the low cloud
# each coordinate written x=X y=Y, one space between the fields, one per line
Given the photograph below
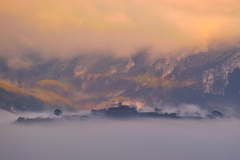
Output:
x=67 y=28
x=186 y=110
x=18 y=63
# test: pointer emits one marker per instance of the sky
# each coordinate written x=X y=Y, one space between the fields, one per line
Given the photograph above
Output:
x=67 y=28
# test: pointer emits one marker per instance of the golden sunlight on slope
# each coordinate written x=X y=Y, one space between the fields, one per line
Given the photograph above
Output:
x=12 y=89
x=50 y=97
x=154 y=82
x=62 y=88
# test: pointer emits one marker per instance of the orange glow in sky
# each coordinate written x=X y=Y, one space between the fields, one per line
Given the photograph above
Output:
x=59 y=27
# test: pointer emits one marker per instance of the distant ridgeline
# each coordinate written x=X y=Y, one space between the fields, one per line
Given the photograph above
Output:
x=118 y=110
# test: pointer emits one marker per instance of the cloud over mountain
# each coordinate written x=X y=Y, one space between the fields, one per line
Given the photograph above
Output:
x=66 y=28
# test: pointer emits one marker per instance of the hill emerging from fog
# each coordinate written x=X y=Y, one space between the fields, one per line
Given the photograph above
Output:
x=208 y=79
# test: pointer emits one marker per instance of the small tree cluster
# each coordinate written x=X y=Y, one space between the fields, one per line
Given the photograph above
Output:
x=57 y=112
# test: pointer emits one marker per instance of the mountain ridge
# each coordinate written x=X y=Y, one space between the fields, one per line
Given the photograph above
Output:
x=196 y=79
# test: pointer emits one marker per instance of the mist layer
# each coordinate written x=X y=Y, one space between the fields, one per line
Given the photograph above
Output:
x=122 y=139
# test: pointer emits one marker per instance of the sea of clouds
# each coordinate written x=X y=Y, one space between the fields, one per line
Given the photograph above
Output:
x=108 y=139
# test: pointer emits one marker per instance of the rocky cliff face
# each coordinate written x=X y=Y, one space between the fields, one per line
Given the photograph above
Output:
x=215 y=80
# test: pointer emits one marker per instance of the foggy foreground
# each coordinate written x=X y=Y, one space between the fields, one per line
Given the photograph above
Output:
x=109 y=139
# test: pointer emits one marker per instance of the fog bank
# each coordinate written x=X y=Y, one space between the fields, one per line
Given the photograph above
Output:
x=107 y=139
